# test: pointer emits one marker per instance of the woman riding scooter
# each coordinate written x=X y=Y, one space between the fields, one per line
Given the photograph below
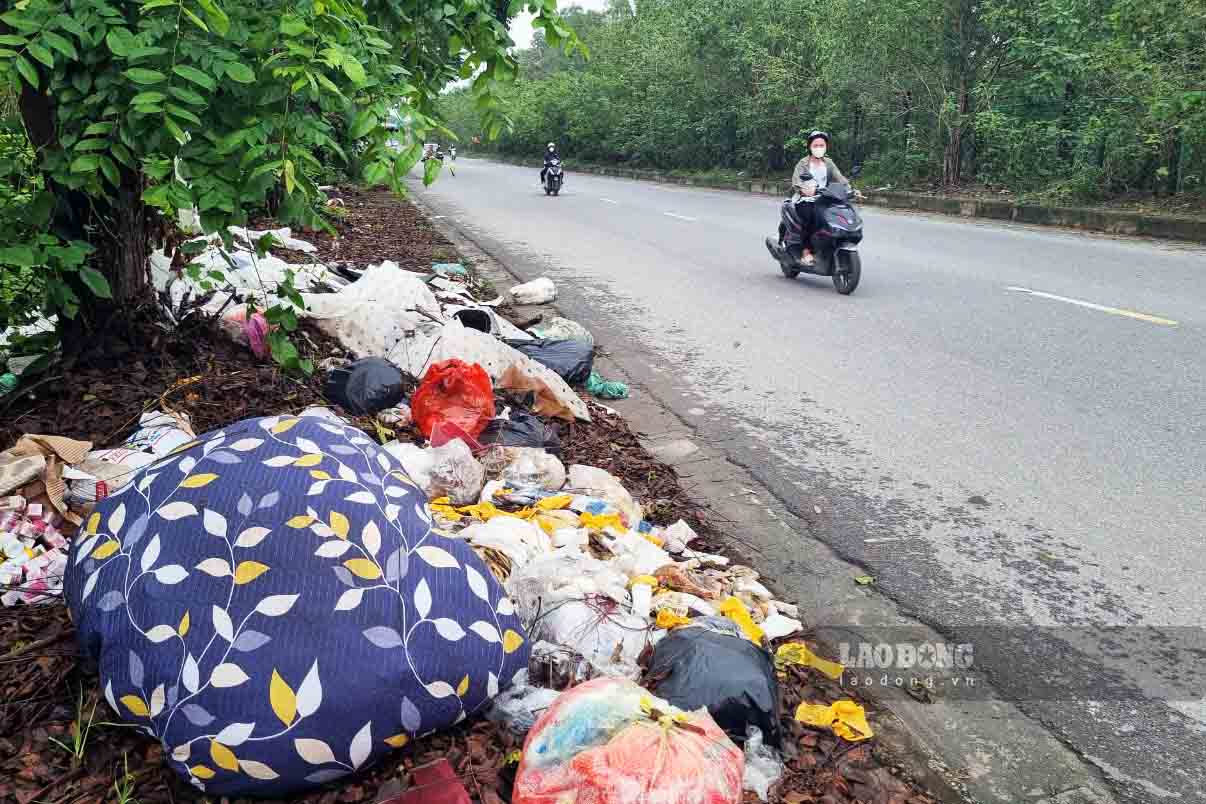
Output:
x=813 y=173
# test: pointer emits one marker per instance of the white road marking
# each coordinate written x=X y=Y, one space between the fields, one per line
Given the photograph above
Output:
x=1151 y=319
x=609 y=201
x=680 y=217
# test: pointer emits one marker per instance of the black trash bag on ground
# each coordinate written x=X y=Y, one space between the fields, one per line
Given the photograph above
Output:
x=695 y=666
x=573 y=360
x=366 y=386
x=522 y=430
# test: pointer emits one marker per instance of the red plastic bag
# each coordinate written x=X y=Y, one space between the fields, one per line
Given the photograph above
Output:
x=610 y=742
x=455 y=392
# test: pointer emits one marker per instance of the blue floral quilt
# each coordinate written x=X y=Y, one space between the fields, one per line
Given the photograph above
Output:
x=273 y=604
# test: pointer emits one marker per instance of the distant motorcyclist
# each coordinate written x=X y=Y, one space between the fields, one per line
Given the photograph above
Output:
x=452 y=152
x=550 y=155
x=813 y=173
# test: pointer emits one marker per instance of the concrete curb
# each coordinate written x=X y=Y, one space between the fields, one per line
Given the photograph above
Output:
x=1092 y=220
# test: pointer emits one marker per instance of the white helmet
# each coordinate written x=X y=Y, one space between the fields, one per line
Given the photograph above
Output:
x=552 y=146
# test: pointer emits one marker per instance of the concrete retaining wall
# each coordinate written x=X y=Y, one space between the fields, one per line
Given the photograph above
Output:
x=1094 y=220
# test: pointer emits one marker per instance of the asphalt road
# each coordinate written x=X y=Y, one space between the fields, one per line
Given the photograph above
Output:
x=1005 y=425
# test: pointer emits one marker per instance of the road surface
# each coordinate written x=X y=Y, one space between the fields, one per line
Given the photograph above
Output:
x=1008 y=423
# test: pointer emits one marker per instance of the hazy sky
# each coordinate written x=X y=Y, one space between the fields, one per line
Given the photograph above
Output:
x=521 y=28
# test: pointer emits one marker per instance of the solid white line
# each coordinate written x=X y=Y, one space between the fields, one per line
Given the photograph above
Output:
x=1151 y=319
x=609 y=201
x=680 y=217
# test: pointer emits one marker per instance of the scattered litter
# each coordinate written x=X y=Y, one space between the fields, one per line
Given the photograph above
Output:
x=399 y=416
x=525 y=467
x=519 y=707
x=433 y=783
x=845 y=717
x=520 y=541
x=8 y=383
x=102 y=473
x=33 y=552
x=161 y=433
x=455 y=473
x=864 y=580
x=572 y=360
x=522 y=429
x=605 y=389
x=777 y=626
x=366 y=386
x=455 y=392
x=450 y=269
x=763 y=765
x=608 y=740
x=678 y=536
x=695 y=666
x=596 y=482
x=538 y=291
x=562 y=329
x=736 y=611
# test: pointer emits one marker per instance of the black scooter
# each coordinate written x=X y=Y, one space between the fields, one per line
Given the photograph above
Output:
x=553 y=178
x=834 y=244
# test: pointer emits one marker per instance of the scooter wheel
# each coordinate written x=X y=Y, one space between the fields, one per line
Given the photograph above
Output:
x=850 y=270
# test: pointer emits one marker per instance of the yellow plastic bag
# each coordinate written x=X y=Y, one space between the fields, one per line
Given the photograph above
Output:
x=846 y=718
x=600 y=522
x=798 y=653
x=668 y=619
x=555 y=503
x=736 y=611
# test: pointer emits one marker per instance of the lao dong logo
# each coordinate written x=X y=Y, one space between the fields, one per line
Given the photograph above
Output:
x=907 y=655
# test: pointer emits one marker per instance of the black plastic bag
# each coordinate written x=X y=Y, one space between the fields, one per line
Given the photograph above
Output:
x=366 y=386
x=522 y=430
x=694 y=666
x=573 y=360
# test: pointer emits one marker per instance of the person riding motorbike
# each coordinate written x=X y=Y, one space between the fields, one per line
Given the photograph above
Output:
x=550 y=154
x=813 y=173
x=452 y=153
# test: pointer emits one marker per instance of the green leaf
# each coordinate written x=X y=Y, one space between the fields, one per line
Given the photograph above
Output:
x=180 y=113
x=110 y=170
x=20 y=256
x=216 y=16
x=28 y=71
x=147 y=97
x=187 y=96
x=123 y=154
x=41 y=53
x=146 y=52
x=293 y=25
x=98 y=129
x=354 y=70
x=93 y=145
x=376 y=173
x=154 y=4
x=12 y=39
x=290 y=179
x=175 y=130
x=85 y=164
x=120 y=42
x=430 y=170
x=196 y=76
x=200 y=23
x=363 y=122
x=96 y=282
x=60 y=43
x=241 y=73
x=141 y=75
x=68 y=23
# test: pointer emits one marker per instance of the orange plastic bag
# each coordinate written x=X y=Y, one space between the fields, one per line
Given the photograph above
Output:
x=610 y=742
x=455 y=392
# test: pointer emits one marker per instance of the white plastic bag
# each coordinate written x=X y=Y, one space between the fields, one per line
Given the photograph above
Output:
x=520 y=706
x=455 y=473
x=414 y=459
x=517 y=539
x=102 y=473
x=678 y=536
x=594 y=482
x=531 y=467
x=763 y=766
x=161 y=433
x=562 y=329
x=538 y=291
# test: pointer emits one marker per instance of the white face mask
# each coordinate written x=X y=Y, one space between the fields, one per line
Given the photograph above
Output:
x=818 y=151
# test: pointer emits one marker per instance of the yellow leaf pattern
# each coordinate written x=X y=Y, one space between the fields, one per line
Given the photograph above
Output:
x=339 y=524
x=363 y=568
x=398 y=740
x=463 y=687
x=248 y=571
x=136 y=705
x=301 y=521
x=285 y=426
x=284 y=702
x=182 y=629
x=319 y=474
x=511 y=641
x=312 y=459
x=105 y=550
x=93 y=524
x=201 y=772
x=198 y=481
x=222 y=756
